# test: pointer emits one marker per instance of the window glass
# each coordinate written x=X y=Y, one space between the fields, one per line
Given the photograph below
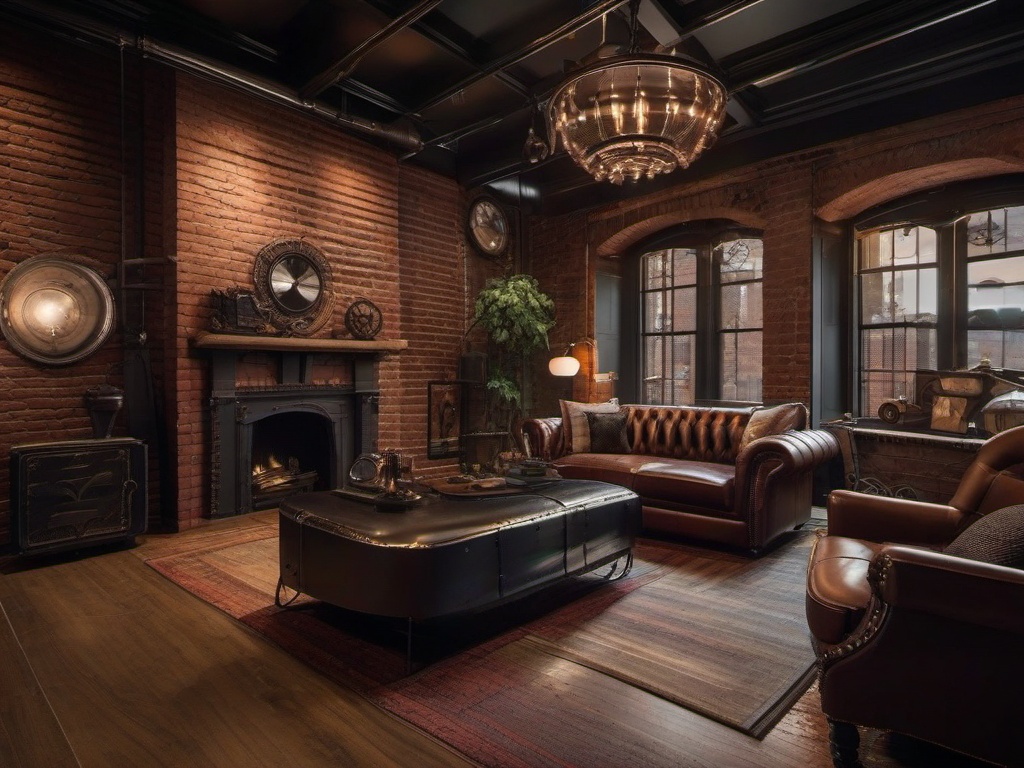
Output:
x=996 y=231
x=679 y=286
x=739 y=260
x=898 y=287
x=741 y=365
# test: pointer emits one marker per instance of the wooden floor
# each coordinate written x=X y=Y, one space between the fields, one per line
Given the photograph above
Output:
x=103 y=662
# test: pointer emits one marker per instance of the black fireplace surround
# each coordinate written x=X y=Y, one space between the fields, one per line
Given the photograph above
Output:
x=317 y=428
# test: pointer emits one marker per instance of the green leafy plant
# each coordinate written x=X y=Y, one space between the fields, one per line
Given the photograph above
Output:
x=517 y=316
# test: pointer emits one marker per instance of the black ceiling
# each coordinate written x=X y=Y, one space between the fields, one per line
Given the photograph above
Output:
x=453 y=84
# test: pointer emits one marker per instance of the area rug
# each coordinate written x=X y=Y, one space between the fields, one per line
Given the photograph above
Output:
x=719 y=634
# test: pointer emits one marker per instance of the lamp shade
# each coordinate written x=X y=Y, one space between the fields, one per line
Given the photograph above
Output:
x=564 y=366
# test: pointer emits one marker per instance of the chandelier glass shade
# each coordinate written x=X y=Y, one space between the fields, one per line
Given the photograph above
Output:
x=636 y=116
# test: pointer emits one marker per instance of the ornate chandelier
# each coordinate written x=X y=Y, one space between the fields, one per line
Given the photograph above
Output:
x=635 y=115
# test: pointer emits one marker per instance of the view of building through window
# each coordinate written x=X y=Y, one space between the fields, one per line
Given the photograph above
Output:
x=702 y=310
x=900 y=270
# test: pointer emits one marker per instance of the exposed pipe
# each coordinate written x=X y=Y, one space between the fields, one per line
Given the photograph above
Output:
x=178 y=58
x=85 y=31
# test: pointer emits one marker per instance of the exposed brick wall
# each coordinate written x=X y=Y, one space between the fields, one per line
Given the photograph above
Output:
x=247 y=174
x=61 y=195
x=434 y=288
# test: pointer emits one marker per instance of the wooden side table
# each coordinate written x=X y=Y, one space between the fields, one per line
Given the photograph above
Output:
x=922 y=465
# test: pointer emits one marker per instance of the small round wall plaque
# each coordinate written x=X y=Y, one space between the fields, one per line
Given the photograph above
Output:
x=363 y=319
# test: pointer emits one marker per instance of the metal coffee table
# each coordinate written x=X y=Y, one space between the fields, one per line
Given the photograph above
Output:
x=451 y=555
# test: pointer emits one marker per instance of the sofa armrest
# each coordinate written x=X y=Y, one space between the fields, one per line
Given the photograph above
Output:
x=949 y=587
x=795 y=451
x=543 y=437
x=774 y=478
x=883 y=518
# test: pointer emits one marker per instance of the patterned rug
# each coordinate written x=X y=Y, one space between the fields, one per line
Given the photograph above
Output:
x=719 y=634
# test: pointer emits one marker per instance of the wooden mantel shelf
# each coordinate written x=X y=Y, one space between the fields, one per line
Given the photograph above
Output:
x=245 y=343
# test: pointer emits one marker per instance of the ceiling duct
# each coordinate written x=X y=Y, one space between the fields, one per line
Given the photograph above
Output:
x=85 y=31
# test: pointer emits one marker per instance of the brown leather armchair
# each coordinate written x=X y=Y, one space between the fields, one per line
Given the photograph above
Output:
x=910 y=639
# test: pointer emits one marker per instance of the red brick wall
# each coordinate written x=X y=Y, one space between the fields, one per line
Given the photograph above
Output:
x=61 y=194
x=433 y=293
x=247 y=174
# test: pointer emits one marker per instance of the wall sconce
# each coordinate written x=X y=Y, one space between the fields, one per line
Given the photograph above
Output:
x=55 y=311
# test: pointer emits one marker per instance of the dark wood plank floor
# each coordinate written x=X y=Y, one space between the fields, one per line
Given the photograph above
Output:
x=103 y=662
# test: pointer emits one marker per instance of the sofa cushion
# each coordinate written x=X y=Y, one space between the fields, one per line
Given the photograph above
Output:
x=996 y=538
x=575 y=429
x=773 y=421
x=698 y=483
x=607 y=432
x=617 y=468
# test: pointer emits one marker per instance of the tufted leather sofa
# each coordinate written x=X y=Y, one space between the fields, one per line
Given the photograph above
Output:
x=735 y=476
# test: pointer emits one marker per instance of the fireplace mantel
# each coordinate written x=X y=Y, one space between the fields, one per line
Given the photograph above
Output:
x=246 y=343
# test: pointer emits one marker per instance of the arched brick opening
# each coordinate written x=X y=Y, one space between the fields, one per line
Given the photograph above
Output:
x=896 y=185
x=621 y=241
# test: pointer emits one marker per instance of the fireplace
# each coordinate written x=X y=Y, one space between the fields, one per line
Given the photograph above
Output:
x=297 y=428
x=283 y=439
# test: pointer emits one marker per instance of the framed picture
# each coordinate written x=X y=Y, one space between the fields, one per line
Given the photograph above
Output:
x=444 y=419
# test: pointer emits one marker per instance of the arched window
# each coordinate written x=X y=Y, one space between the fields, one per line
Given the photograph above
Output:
x=940 y=285
x=700 y=315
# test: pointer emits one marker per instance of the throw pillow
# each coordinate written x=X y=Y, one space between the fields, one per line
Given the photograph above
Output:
x=773 y=421
x=607 y=432
x=575 y=429
x=996 y=538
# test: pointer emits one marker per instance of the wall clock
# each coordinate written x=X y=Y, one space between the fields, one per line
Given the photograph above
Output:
x=292 y=282
x=488 y=227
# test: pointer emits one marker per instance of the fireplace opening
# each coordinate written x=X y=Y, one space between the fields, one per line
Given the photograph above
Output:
x=291 y=452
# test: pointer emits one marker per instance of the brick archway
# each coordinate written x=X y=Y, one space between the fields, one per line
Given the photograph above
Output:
x=621 y=241
x=896 y=185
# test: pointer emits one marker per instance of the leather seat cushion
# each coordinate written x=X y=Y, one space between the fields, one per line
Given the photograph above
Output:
x=697 y=483
x=837 y=586
x=617 y=468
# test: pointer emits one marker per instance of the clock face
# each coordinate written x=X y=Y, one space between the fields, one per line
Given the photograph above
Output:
x=488 y=227
x=292 y=282
x=295 y=283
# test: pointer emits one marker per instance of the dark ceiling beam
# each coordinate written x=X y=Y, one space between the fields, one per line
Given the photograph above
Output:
x=692 y=17
x=574 y=24
x=344 y=66
x=859 y=31
x=458 y=50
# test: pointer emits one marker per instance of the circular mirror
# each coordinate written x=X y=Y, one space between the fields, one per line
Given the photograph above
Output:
x=55 y=311
x=292 y=285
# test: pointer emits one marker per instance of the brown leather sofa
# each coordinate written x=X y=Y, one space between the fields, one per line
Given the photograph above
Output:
x=912 y=638
x=735 y=476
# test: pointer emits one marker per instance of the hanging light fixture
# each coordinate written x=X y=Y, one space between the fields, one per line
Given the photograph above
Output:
x=635 y=115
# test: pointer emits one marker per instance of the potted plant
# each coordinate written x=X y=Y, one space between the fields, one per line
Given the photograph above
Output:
x=517 y=316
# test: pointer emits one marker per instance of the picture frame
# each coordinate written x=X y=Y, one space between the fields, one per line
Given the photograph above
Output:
x=444 y=419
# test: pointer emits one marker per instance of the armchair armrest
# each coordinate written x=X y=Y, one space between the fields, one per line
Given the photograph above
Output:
x=883 y=518
x=950 y=587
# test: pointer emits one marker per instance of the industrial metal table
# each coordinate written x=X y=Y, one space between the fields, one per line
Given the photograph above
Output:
x=451 y=555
